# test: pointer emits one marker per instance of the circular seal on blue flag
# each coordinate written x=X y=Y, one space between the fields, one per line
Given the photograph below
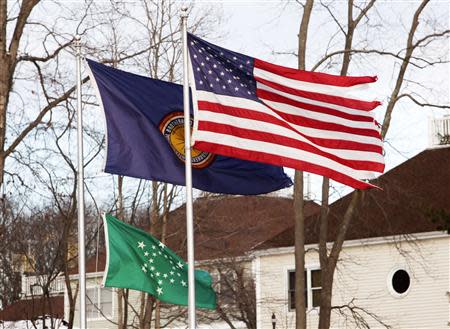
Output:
x=172 y=127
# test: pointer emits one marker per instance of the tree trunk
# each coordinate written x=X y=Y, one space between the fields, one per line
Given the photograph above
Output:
x=5 y=85
x=327 y=269
x=401 y=75
x=300 y=302
x=126 y=293
x=149 y=306
x=329 y=265
x=70 y=295
x=146 y=310
x=325 y=299
x=326 y=281
x=4 y=92
x=8 y=61
x=303 y=34
x=157 y=314
x=72 y=299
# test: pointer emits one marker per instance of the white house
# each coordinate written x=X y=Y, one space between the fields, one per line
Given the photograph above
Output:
x=395 y=264
x=407 y=288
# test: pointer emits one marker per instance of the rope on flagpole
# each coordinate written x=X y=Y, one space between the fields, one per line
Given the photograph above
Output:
x=188 y=170
x=80 y=174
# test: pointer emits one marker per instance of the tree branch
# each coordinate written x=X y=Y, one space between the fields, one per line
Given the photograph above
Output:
x=358 y=315
x=25 y=11
x=422 y=104
x=38 y=119
x=55 y=53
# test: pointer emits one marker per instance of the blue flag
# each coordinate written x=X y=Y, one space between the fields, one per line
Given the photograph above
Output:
x=145 y=138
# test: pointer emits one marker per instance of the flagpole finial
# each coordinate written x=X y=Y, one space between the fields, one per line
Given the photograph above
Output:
x=77 y=45
x=184 y=11
x=77 y=39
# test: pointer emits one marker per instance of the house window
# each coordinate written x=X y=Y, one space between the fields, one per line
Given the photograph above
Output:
x=98 y=303
x=313 y=286
x=400 y=282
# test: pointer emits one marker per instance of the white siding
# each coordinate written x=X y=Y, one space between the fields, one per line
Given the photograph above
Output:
x=363 y=274
x=100 y=323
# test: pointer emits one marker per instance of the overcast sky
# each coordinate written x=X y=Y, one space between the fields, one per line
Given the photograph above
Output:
x=268 y=30
x=260 y=28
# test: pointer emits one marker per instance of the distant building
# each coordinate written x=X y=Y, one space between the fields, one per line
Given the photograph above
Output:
x=32 y=305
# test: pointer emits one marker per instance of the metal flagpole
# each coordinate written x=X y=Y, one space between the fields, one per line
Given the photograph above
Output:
x=188 y=170
x=81 y=242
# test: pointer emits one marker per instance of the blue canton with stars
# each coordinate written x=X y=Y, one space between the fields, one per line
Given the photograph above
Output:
x=221 y=71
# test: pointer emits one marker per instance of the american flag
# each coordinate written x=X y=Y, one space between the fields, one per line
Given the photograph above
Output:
x=254 y=110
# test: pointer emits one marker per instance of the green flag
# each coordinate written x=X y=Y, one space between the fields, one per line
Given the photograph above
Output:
x=136 y=260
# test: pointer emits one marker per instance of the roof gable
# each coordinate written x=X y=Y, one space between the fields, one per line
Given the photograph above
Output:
x=409 y=193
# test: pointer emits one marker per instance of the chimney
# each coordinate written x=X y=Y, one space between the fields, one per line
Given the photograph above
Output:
x=439 y=132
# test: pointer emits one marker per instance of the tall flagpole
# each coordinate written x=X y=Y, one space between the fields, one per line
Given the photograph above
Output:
x=81 y=242
x=188 y=170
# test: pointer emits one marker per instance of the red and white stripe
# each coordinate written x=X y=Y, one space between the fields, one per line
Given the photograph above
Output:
x=306 y=120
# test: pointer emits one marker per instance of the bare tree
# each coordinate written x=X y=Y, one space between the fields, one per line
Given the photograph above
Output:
x=236 y=296
x=412 y=55
x=358 y=316
x=22 y=63
x=329 y=258
x=326 y=269
x=44 y=236
x=16 y=63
